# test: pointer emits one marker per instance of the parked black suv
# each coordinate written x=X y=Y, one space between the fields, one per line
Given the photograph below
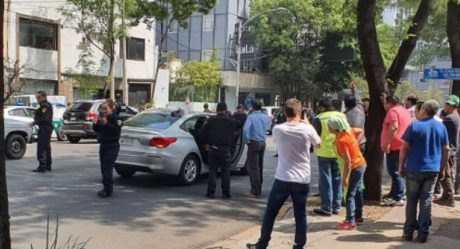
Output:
x=78 y=122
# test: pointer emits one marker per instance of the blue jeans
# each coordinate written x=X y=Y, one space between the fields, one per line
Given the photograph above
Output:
x=420 y=187
x=330 y=184
x=397 y=183
x=278 y=195
x=355 y=194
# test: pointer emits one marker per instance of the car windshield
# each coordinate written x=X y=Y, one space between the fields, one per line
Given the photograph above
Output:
x=156 y=121
x=81 y=107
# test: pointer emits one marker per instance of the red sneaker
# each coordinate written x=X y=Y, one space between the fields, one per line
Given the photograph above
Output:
x=345 y=225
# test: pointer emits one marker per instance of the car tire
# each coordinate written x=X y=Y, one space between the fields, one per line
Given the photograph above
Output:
x=60 y=135
x=73 y=140
x=190 y=170
x=15 y=146
x=124 y=172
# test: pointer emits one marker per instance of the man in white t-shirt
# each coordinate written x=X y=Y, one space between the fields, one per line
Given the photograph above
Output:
x=293 y=173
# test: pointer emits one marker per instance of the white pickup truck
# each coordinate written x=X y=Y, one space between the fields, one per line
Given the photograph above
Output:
x=18 y=131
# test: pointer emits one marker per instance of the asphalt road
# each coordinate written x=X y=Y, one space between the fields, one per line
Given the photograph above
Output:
x=146 y=211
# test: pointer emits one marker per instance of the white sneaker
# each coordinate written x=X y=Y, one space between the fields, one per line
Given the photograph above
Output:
x=393 y=203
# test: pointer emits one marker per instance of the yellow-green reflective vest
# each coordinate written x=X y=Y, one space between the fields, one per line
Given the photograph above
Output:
x=328 y=149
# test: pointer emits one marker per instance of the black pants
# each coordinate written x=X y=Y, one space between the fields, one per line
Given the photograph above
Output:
x=44 y=147
x=220 y=157
x=255 y=165
x=108 y=155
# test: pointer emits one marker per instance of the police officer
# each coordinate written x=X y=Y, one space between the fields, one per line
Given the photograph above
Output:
x=44 y=119
x=120 y=106
x=108 y=126
x=218 y=136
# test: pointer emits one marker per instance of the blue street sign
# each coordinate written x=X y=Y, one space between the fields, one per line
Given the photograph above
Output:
x=441 y=74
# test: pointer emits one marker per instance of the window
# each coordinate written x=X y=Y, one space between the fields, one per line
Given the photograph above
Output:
x=189 y=125
x=37 y=34
x=174 y=26
x=206 y=55
x=30 y=112
x=81 y=107
x=156 y=121
x=135 y=49
x=208 y=23
x=17 y=113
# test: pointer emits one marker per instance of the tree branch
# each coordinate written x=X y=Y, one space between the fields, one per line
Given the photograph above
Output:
x=408 y=45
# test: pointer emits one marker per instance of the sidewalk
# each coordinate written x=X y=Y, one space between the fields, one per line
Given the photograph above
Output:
x=383 y=233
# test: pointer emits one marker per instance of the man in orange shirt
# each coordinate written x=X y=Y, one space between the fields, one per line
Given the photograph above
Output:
x=395 y=124
x=354 y=165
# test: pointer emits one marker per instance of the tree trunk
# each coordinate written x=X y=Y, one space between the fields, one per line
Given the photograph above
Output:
x=408 y=45
x=453 y=35
x=377 y=80
x=111 y=76
x=5 y=240
x=375 y=74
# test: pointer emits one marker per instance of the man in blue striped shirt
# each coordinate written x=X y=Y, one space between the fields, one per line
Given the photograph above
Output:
x=254 y=135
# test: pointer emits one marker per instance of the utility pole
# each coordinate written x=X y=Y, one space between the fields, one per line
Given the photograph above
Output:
x=124 y=86
x=238 y=63
x=5 y=239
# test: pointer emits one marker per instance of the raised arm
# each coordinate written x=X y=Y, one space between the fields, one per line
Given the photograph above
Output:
x=356 y=94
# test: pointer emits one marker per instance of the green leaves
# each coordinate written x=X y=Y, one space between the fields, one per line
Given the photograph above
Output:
x=99 y=21
x=167 y=10
x=293 y=40
x=199 y=73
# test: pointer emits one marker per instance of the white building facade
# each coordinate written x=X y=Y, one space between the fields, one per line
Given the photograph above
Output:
x=47 y=50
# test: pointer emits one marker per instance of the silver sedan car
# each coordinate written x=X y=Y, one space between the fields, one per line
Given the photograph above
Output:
x=167 y=142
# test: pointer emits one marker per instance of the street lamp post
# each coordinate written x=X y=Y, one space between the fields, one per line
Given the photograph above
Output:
x=238 y=46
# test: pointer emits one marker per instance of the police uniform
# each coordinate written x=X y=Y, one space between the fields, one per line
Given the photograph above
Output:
x=108 y=137
x=119 y=106
x=44 y=119
x=218 y=133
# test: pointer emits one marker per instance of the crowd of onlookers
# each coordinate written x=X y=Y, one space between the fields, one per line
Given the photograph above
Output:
x=419 y=139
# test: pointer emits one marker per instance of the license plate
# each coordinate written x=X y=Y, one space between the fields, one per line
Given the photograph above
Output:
x=73 y=118
x=126 y=141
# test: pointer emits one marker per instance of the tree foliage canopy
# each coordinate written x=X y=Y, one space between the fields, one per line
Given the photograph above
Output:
x=292 y=40
x=199 y=73
x=170 y=10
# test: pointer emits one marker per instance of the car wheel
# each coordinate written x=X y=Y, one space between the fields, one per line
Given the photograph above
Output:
x=15 y=146
x=60 y=135
x=124 y=172
x=73 y=140
x=190 y=170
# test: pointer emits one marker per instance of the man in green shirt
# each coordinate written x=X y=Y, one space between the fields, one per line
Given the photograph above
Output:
x=330 y=186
